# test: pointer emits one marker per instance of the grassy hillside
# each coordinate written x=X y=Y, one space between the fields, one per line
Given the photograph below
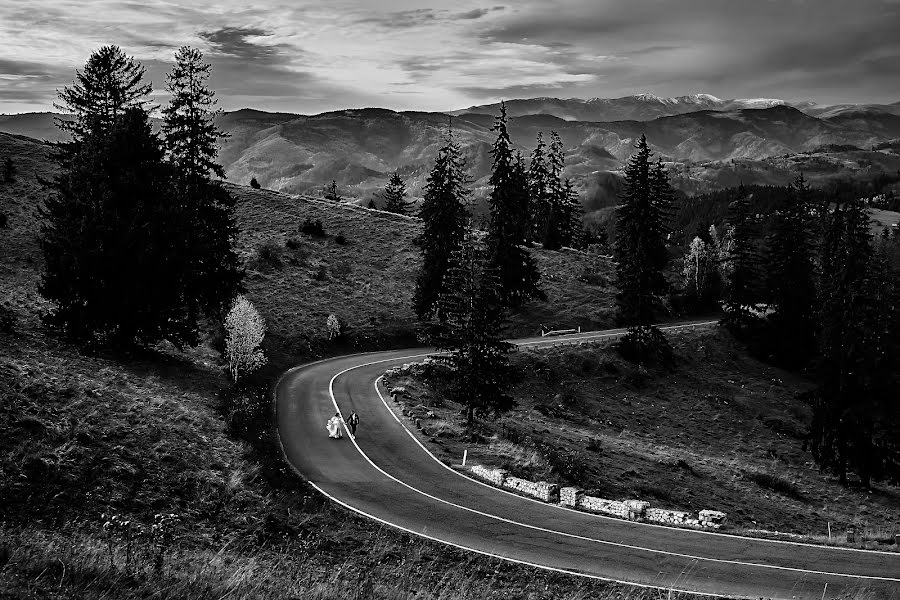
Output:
x=84 y=438
x=297 y=279
x=719 y=430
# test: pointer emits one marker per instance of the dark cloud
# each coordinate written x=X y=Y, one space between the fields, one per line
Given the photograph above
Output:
x=402 y=19
x=473 y=14
x=232 y=41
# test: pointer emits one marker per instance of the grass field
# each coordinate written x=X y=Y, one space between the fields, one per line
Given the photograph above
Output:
x=718 y=431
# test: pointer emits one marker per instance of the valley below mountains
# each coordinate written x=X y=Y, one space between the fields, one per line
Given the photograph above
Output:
x=706 y=142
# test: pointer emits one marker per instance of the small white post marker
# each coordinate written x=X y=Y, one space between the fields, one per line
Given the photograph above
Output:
x=465 y=454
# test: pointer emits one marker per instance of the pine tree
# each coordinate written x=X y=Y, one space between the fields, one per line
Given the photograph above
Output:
x=882 y=362
x=395 y=195
x=556 y=231
x=842 y=425
x=254 y=183
x=742 y=286
x=191 y=135
x=791 y=280
x=471 y=305
x=444 y=214
x=507 y=230
x=641 y=255
x=109 y=239
x=331 y=191
x=574 y=213
x=109 y=84
x=538 y=192
x=210 y=266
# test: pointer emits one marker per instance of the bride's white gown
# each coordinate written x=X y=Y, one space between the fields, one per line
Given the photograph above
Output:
x=334 y=428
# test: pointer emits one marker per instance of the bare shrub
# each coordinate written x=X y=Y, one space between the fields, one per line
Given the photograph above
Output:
x=245 y=330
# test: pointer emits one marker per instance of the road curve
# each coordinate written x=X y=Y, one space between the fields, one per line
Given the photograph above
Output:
x=386 y=475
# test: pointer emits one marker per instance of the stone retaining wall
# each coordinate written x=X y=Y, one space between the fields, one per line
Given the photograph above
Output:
x=495 y=476
x=633 y=510
x=602 y=505
x=712 y=518
x=671 y=517
x=570 y=496
x=542 y=490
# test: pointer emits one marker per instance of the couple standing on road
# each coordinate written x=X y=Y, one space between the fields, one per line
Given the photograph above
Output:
x=334 y=425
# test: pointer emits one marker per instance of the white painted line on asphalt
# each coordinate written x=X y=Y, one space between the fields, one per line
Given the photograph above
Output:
x=514 y=560
x=731 y=536
x=599 y=335
x=571 y=535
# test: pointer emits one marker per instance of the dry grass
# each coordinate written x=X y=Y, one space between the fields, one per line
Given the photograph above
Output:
x=62 y=565
x=368 y=282
x=516 y=458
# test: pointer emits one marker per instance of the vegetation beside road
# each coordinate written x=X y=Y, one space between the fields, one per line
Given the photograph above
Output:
x=718 y=430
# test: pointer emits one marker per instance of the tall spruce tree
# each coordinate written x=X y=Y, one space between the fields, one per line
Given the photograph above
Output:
x=641 y=255
x=109 y=239
x=791 y=279
x=110 y=83
x=444 y=213
x=471 y=305
x=395 y=195
x=210 y=271
x=574 y=213
x=507 y=231
x=538 y=191
x=136 y=247
x=557 y=217
x=843 y=411
x=742 y=286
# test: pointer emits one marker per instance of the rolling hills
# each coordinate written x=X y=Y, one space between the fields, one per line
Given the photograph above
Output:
x=359 y=148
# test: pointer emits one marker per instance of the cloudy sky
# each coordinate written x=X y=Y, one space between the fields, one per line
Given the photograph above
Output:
x=308 y=57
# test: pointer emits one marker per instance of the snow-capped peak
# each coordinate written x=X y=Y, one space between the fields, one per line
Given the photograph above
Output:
x=648 y=97
x=689 y=99
x=704 y=98
x=759 y=102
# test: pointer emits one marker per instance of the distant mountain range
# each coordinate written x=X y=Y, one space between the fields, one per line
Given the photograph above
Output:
x=359 y=148
x=640 y=107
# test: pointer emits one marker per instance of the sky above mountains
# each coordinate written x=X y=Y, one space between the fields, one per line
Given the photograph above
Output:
x=309 y=57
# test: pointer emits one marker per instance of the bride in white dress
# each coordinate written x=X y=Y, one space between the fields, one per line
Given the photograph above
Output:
x=334 y=427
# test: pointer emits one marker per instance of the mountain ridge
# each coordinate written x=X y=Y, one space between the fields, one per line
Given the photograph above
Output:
x=359 y=148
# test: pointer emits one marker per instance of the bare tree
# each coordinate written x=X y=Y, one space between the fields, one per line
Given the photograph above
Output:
x=245 y=331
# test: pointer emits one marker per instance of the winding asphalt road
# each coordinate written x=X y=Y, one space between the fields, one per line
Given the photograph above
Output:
x=388 y=476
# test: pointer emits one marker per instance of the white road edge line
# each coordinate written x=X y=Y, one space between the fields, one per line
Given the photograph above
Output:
x=605 y=517
x=513 y=560
x=599 y=516
x=571 y=535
